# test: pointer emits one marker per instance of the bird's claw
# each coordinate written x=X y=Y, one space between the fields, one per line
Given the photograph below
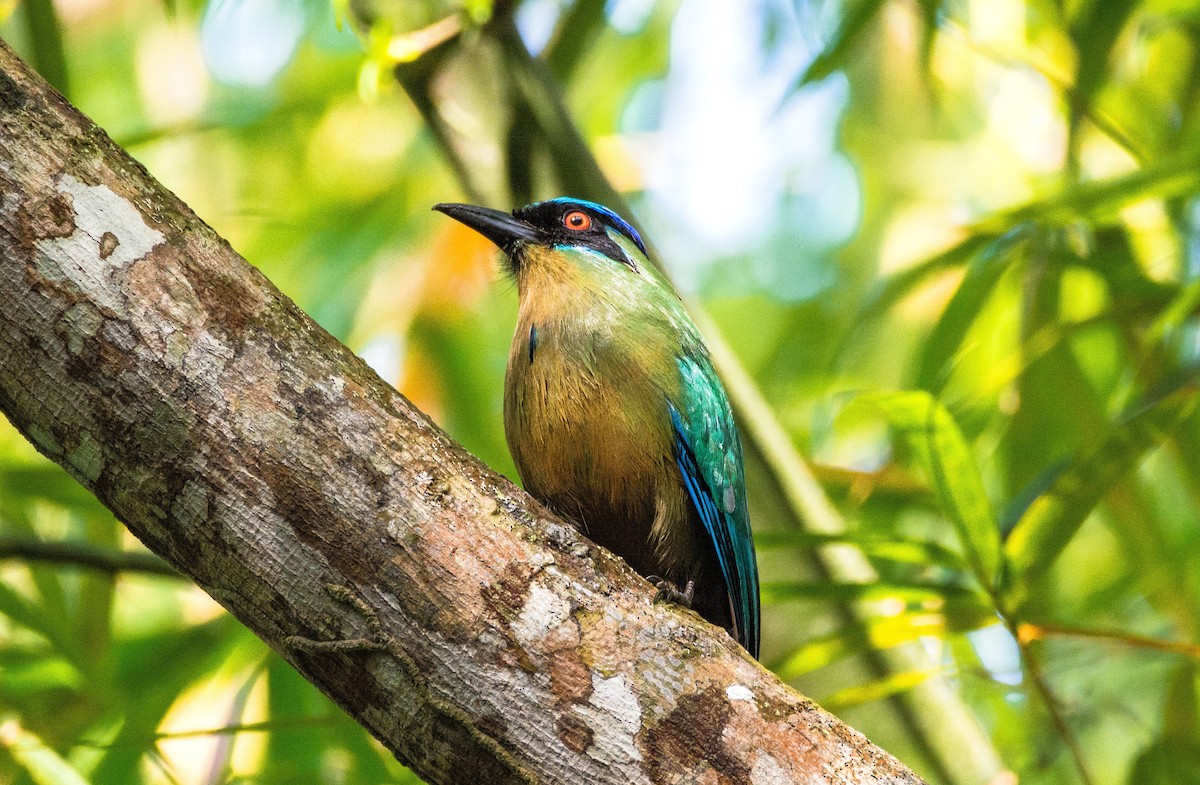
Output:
x=669 y=592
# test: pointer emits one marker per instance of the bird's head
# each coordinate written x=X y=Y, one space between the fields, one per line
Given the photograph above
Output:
x=563 y=224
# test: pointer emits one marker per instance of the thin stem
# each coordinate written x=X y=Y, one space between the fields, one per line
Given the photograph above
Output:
x=266 y=726
x=83 y=555
x=1029 y=632
x=1057 y=716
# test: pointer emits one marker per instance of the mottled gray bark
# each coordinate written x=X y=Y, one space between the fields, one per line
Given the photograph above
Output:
x=479 y=638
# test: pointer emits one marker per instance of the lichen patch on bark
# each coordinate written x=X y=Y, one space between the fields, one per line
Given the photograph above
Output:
x=87 y=457
x=78 y=257
x=614 y=715
x=543 y=611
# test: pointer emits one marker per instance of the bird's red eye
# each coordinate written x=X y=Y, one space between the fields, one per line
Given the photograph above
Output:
x=577 y=220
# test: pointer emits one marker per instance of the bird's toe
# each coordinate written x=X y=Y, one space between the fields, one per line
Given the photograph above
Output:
x=669 y=592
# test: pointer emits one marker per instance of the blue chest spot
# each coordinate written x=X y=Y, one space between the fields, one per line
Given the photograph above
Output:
x=533 y=341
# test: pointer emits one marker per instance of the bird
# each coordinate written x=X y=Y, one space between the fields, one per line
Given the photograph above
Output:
x=613 y=412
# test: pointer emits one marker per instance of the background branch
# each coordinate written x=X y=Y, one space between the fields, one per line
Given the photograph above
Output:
x=80 y=554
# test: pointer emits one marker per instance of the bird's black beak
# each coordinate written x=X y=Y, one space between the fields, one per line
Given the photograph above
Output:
x=499 y=227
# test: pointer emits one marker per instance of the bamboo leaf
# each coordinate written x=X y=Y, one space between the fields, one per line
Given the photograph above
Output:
x=46 y=38
x=32 y=673
x=1171 y=176
x=43 y=764
x=983 y=273
x=1052 y=520
x=919 y=552
x=902 y=284
x=913 y=592
x=878 y=689
x=930 y=11
x=177 y=658
x=877 y=634
x=48 y=482
x=34 y=618
x=839 y=47
x=577 y=31
x=1095 y=34
x=943 y=455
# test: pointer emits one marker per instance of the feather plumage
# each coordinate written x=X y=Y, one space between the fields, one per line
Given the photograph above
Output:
x=621 y=424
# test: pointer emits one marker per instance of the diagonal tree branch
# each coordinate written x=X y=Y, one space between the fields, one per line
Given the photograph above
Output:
x=479 y=638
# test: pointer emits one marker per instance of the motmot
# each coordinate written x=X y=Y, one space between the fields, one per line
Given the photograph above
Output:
x=614 y=415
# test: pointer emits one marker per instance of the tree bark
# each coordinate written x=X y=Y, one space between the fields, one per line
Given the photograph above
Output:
x=478 y=637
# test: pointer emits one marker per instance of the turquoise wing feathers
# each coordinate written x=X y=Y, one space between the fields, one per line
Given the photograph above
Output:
x=709 y=456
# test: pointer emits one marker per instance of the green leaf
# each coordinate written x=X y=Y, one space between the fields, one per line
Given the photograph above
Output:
x=902 y=284
x=1052 y=520
x=1167 y=762
x=930 y=10
x=34 y=617
x=51 y=596
x=1181 y=716
x=177 y=658
x=1180 y=309
x=911 y=592
x=983 y=273
x=1097 y=201
x=575 y=36
x=917 y=552
x=30 y=672
x=837 y=50
x=43 y=764
x=49 y=482
x=877 y=634
x=45 y=36
x=877 y=689
x=946 y=460
x=294 y=753
x=1095 y=33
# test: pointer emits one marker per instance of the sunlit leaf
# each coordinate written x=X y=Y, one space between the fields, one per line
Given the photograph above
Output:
x=1171 y=176
x=942 y=452
x=909 y=592
x=1095 y=33
x=840 y=46
x=43 y=765
x=875 y=634
x=1180 y=309
x=877 y=690
x=46 y=38
x=983 y=273
x=899 y=286
x=1099 y=200
x=1052 y=520
x=922 y=553
x=407 y=46
x=177 y=658
x=24 y=673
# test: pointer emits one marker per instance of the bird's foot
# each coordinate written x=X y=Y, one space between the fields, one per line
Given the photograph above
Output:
x=669 y=592
x=376 y=639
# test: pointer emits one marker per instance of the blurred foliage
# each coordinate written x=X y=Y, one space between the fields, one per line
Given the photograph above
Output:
x=954 y=243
